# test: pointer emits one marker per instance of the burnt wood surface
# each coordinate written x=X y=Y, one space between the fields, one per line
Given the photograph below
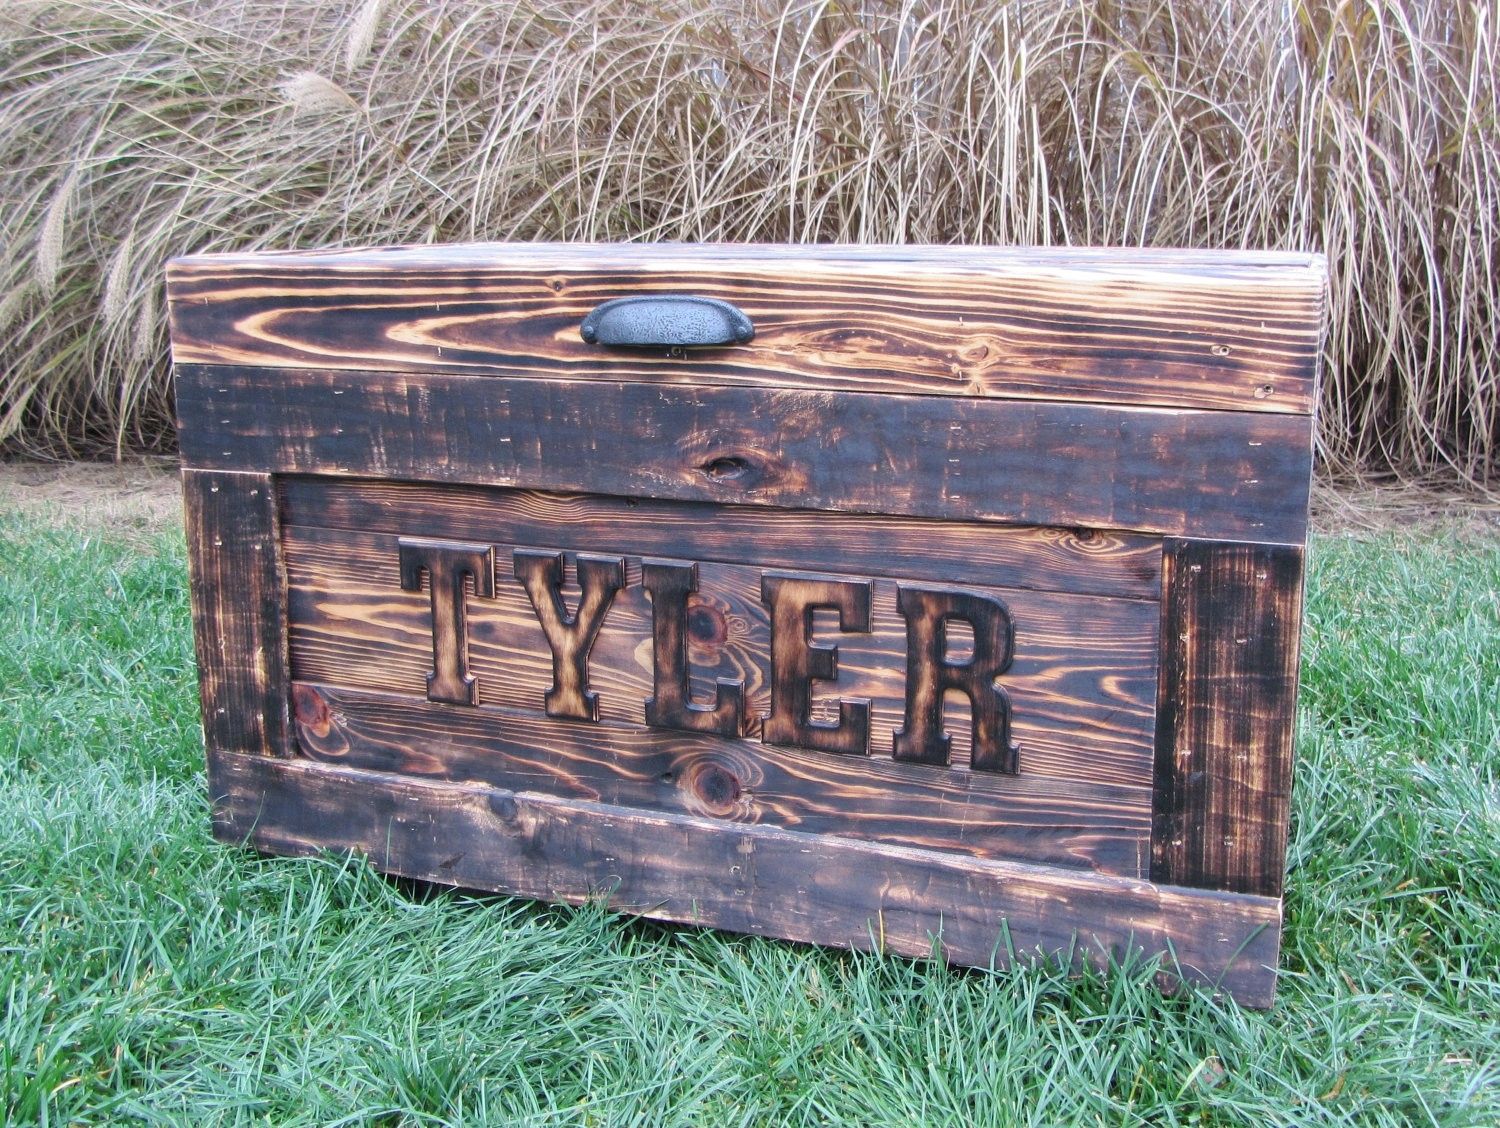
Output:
x=1196 y=329
x=1210 y=474
x=570 y=635
x=668 y=584
x=449 y=569
x=238 y=594
x=747 y=878
x=1082 y=682
x=932 y=671
x=791 y=599
x=1084 y=561
x=1231 y=618
x=1081 y=825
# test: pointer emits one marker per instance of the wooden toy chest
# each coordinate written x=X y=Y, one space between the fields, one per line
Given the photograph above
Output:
x=867 y=596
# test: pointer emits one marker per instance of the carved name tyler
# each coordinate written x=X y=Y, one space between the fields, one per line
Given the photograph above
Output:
x=455 y=571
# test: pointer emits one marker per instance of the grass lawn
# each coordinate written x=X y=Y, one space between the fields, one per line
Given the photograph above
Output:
x=151 y=974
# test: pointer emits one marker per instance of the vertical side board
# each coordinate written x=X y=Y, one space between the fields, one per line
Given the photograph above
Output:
x=239 y=614
x=1230 y=629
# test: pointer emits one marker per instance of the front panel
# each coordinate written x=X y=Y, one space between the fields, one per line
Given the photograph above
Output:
x=1067 y=684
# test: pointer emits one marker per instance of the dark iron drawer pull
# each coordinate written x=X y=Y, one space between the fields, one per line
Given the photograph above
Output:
x=670 y=320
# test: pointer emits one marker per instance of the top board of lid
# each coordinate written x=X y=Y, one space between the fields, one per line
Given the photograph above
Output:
x=1215 y=330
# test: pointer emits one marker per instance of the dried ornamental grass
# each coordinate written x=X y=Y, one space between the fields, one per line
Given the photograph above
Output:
x=133 y=130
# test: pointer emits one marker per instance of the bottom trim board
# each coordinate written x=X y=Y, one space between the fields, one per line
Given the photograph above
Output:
x=755 y=879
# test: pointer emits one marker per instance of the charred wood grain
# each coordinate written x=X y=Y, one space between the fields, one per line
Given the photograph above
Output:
x=758 y=879
x=875 y=635
x=931 y=671
x=1175 y=329
x=796 y=661
x=1082 y=682
x=1231 y=621
x=238 y=594
x=1083 y=825
x=1085 y=561
x=448 y=568
x=668 y=584
x=570 y=635
x=1211 y=474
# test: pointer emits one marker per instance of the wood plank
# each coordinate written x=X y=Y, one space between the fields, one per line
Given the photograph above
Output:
x=1212 y=474
x=1231 y=624
x=1082 y=682
x=1087 y=825
x=747 y=878
x=1085 y=561
x=238 y=597
x=1196 y=329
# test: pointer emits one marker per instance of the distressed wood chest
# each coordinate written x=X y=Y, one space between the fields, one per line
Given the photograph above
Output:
x=921 y=598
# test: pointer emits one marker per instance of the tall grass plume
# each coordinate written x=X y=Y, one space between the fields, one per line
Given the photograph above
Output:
x=133 y=130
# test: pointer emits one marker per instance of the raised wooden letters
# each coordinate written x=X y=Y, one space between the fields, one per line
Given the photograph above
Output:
x=930 y=673
x=670 y=582
x=796 y=661
x=448 y=565
x=570 y=636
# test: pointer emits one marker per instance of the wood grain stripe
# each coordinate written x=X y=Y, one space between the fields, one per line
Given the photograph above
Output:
x=757 y=879
x=1084 y=561
x=238 y=593
x=1214 y=474
x=1202 y=330
x=1231 y=620
x=1082 y=683
x=1086 y=825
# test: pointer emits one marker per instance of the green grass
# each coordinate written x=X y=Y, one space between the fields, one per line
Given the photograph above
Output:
x=151 y=974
